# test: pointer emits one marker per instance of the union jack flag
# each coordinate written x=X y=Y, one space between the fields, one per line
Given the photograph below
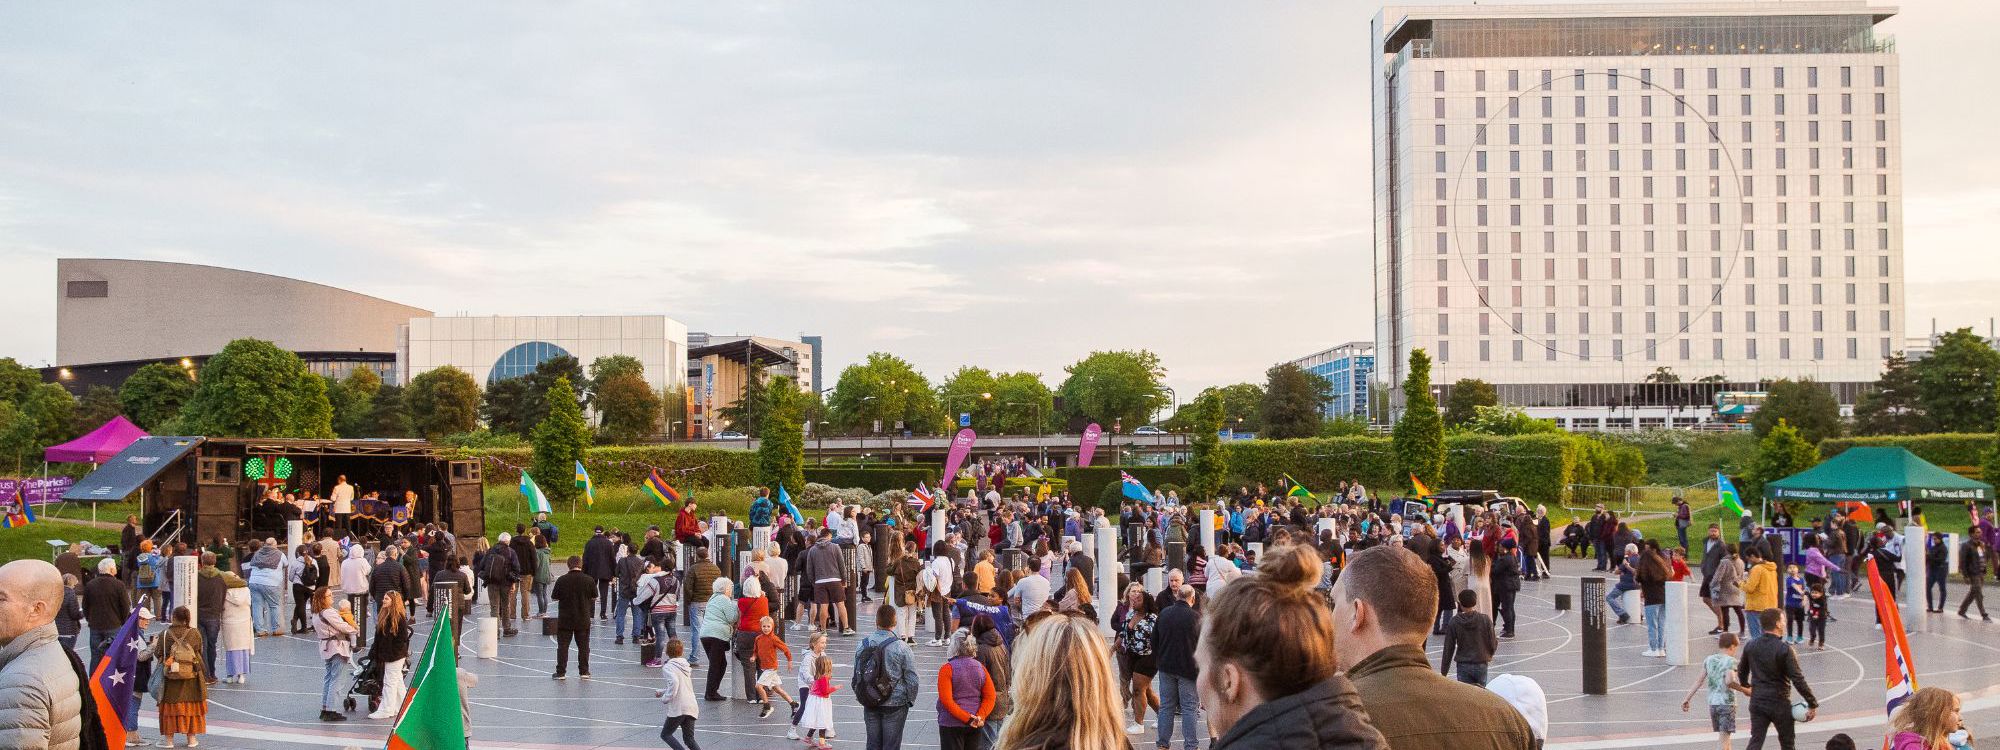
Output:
x=921 y=497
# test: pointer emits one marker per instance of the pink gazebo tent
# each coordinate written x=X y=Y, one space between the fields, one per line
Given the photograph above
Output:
x=99 y=446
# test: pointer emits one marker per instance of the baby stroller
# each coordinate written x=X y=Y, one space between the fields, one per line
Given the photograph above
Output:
x=367 y=684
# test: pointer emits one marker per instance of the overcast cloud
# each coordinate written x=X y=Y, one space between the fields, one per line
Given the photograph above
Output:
x=1008 y=184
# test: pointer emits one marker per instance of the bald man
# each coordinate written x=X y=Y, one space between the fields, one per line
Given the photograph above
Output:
x=41 y=701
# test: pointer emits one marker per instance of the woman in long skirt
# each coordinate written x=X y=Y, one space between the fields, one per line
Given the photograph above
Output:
x=184 y=692
x=239 y=636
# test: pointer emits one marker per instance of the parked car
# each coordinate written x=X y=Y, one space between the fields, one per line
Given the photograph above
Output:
x=1148 y=430
x=731 y=435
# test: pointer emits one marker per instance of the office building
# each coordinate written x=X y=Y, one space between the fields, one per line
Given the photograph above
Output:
x=1346 y=368
x=496 y=347
x=718 y=368
x=1574 y=200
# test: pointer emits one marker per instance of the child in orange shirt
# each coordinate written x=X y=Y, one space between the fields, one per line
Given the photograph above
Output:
x=768 y=681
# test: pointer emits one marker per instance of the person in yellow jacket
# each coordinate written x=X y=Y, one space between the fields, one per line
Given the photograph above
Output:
x=1760 y=585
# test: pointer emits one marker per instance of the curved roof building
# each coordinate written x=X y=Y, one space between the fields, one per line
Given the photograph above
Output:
x=122 y=311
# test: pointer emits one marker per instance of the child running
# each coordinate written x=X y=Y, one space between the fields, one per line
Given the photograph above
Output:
x=768 y=681
x=818 y=715
x=815 y=648
x=1718 y=675
x=1816 y=615
x=679 y=698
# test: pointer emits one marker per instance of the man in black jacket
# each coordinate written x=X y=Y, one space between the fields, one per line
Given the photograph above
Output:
x=107 y=601
x=1175 y=636
x=210 y=590
x=391 y=576
x=1712 y=551
x=599 y=562
x=1771 y=670
x=525 y=562
x=1972 y=564
x=574 y=592
x=1506 y=584
x=498 y=573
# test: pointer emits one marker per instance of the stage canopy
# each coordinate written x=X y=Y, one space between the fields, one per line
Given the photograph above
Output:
x=1872 y=474
x=138 y=464
x=99 y=446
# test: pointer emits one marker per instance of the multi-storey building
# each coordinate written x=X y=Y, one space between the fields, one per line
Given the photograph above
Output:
x=1574 y=202
x=1346 y=369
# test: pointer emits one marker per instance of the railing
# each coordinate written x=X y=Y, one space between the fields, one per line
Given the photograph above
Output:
x=173 y=523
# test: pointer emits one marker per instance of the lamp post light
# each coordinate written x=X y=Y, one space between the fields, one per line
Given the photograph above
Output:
x=1041 y=450
x=670 y=428
x=951 y=398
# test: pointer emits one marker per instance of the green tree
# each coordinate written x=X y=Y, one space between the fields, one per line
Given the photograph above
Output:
x=1352 y=425
x=1114 y=389
x=1782 y=453
x=312 y=412
x=17 y=380
x=504 y=406
x=388 y=415
x=353 y=400
x=1208 y=464
x=535 y=405
x=1507 y=420
x=252 y=388
x=443 y=401
x=748 y=410
x=1467 y=395
x=1805 y=404
x=1890 y=407
x=1418 y=438
x=1663 y=375
x=970 y=390
x=1023 y=399
x=781 y=442
x=627 y=408
x=155 y=394
x=98 y=405
x=613 y=365
x=44 y=416
x=1955 y=384
x=560 y=440
x=887 y=389
x=1241 y=404
x=1294 y=402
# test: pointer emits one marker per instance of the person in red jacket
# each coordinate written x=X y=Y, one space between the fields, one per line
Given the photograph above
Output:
x=688 y=526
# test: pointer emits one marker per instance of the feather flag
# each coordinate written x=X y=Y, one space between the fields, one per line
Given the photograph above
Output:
x=431 y=718
x=537 y=502
x=1725 y=492
x=920 y=498
x=583 y=483
x=1133 y=489
x=19 y=513
x=1899 y=669
x=1422 y=489
x=114 y=679
x=658 y=489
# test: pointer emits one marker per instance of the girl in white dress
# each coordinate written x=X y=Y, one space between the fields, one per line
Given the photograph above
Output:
x=818 y=717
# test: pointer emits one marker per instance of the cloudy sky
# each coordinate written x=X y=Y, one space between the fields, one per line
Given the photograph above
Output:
x=1008 y=184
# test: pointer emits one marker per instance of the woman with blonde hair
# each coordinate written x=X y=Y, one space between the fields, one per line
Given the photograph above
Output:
x=1065 y=690
x=1929 y=720
x=1075 y=598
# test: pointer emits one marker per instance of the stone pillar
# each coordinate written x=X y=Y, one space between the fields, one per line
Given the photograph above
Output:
x=1257 y=552
x=1913 y=570
x=1156 y=579
x=1676 y=624
x=489 y=638
x=937 y=526
x=1325 y=524
x=186 y=582
x=1177 y=556
x=1595 y=678
x=1207 y=516
x=1635 y=606
x=1107 y=574
x=295 y=535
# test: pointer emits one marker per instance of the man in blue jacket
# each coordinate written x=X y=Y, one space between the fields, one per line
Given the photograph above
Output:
x=884 y=721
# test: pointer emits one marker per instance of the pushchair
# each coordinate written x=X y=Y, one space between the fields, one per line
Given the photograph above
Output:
x=367 y=684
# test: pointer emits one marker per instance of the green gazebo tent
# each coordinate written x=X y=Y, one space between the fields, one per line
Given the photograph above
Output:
x=1875 y=474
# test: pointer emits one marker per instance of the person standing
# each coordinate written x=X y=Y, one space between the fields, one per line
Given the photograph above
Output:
x=498 y=571
x=306 y=573
x=600 y=561
x=1973 y=560
x=268 y=570
x=106 y=602
x=883 y=659
x=391 y=649
x=524 y=571
x=211 y=599
x=336 y=648
x=239 y=634
x=1728 y=591
x=354 y=584
x=183 y=698
x=1683 y=517
x=1506 y=586
x=965 y=698
x=718 y=626
x=1469 y=643
x=1382 y=611
x=1718 y=676
x=1652 y=574
x=1175 y=638
x=574 y=593
x=1771 y=669
x=822 y=569
x=342 y=499
x=41 y=700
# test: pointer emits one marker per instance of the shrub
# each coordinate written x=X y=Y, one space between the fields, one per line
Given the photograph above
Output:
x=1088 y=484
x=872 y=479
x=1943 y=448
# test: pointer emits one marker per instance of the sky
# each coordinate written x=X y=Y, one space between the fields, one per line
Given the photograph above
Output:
x=1005 y=184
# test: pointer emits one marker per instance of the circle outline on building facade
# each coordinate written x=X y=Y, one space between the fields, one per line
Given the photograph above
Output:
x=1457 y=230
x=522 y=359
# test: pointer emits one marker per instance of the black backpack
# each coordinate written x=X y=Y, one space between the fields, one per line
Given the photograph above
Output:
x=872 y=682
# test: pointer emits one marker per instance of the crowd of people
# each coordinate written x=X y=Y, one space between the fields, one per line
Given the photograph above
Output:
x=1304 y=626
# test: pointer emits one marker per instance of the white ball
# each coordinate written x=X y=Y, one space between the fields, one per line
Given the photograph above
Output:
x=1799 y=711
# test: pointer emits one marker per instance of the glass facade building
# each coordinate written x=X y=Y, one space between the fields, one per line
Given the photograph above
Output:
x=1346 y=368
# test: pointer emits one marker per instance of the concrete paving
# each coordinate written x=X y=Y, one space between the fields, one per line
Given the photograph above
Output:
x=517 y=704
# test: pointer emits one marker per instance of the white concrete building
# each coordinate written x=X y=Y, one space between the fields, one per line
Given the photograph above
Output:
x=494 y=348
x=1570 y=197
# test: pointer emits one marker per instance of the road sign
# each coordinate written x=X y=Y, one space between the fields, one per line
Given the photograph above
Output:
x=965 y=419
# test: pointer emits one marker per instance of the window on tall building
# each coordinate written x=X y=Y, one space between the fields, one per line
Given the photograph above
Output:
x=1437 y=81
x=1881 y=104
x=1513 y=80
x=1881 y=75
x=1479 y=80
x=1812 y=76
x=1846 y=76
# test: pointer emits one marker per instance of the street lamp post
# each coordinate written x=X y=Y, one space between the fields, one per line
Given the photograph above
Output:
x=1041 y=451
x=949 y=398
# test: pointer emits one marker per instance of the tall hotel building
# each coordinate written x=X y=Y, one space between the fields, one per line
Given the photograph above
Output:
x=1569 y=198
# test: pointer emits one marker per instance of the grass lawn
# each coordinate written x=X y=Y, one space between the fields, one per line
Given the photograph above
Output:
x=31 y=541
x=1941 y=517
x=505 y=508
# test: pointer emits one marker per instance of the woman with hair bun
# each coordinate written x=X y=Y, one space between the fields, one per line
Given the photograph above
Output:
x=1268 y=673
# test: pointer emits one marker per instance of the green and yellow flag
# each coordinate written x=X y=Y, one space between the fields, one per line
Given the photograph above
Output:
x=431 y=718
x=1298 y=490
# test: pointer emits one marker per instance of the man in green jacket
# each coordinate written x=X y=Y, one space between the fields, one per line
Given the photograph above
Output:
x=1383 y=606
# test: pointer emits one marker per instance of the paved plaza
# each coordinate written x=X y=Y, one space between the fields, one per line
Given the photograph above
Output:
x=516 y=705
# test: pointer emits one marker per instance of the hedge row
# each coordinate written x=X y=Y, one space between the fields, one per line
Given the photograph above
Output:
x=1537 y=468
x=1943 y=449
x=873 y=479
x=688 y=467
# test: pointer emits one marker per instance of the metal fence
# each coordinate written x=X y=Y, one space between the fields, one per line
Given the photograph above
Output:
x=1641 y=499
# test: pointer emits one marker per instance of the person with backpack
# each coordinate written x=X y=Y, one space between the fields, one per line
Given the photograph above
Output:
x=884 y=682
x=146 y=574
x=498 y=573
